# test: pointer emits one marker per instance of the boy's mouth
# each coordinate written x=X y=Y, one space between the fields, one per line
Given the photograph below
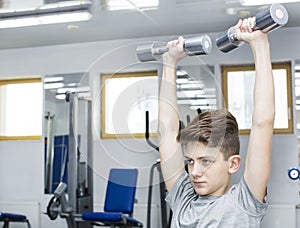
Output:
x=199 y=184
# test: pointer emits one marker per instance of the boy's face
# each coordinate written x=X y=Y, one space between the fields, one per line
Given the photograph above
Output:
x=208 y=171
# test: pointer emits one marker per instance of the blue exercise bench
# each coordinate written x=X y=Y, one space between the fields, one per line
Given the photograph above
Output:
x=118 y=206
x=119 y=201
x=10 y=217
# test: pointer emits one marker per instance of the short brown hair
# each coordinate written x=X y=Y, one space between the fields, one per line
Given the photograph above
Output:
x=213 y=128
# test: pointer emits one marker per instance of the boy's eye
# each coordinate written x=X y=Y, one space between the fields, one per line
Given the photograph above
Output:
x=190 y=161
x=206 y=162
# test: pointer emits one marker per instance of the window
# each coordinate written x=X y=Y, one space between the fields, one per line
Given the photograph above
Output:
x=238 y=84
x=125 y=98
x=21 y=109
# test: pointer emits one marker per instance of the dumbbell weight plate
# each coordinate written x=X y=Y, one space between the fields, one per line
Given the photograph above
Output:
x=197 y=45
x=151 y=52
x=227 y=41
x=144 y=52
x=271 y=18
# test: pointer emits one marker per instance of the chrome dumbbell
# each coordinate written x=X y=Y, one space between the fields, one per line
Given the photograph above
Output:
x=269 y=19
x=199 y=45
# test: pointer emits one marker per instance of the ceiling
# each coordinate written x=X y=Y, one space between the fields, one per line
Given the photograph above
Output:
x=173 y=17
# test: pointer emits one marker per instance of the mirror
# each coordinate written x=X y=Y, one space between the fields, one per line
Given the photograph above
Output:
x=197 y=90
x=132 y=94
x=65 y=128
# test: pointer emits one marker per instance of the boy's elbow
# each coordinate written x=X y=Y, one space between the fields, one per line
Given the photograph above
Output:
x=265 y=120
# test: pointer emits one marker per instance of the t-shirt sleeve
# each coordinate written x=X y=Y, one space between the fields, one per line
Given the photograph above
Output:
x=180 y=189
x=249 y=202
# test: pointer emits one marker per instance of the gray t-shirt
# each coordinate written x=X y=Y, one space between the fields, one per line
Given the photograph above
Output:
x=237 y=208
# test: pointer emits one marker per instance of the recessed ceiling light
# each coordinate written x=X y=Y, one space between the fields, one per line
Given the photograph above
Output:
x=72 y=27
x=243 y=13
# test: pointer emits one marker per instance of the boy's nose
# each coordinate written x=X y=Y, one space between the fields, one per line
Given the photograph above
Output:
x=196 y=170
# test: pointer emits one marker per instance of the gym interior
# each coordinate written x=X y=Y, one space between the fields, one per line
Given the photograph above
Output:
x=91 y=105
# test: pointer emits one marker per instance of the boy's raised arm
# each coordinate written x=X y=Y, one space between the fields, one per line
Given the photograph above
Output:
x=258 y=159
x=172 y=162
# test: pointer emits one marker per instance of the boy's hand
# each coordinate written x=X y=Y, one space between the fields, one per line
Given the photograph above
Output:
x=176 y=50
x=245 y=31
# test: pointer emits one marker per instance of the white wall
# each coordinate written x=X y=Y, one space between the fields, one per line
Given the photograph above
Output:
x=21 y=163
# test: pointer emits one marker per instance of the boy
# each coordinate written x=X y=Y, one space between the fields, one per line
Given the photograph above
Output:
x=210 y=144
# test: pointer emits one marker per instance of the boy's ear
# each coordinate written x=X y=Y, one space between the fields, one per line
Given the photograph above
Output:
x=234 y=163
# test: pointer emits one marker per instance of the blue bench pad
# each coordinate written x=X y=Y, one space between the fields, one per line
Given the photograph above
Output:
x=12 y=216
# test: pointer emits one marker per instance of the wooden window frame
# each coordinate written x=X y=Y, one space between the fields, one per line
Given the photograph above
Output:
x=104 y=77
x=280 y=65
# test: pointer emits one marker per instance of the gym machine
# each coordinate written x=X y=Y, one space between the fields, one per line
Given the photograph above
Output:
x=199 y=45
x=49 y=156
x=75 y=196
x=267 y=20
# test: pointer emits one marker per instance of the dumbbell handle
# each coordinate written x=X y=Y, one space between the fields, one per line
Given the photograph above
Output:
x=199 y=45
x=269 y=19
